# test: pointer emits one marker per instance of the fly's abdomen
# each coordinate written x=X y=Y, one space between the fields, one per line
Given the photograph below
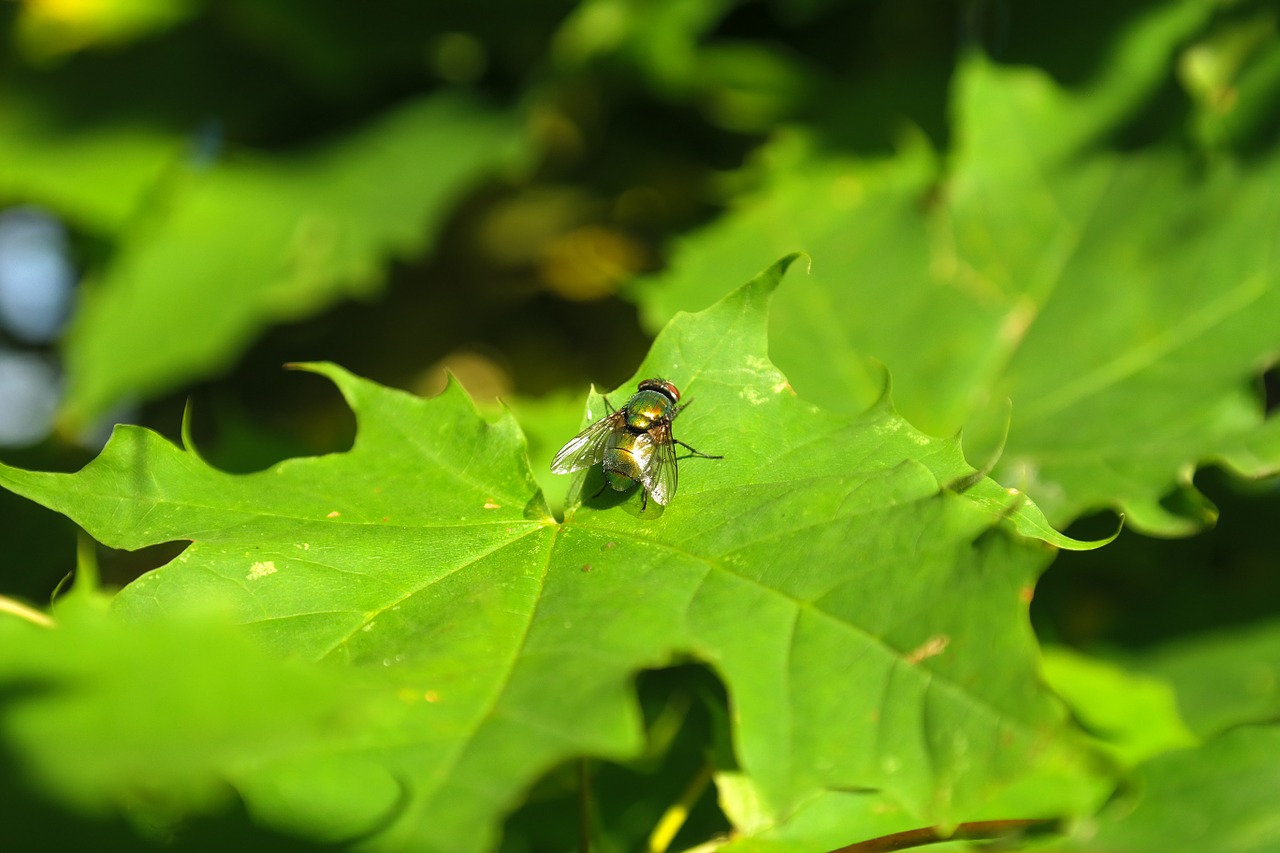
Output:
x=627 y=455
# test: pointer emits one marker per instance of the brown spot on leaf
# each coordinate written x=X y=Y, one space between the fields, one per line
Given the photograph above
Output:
x=931 y=647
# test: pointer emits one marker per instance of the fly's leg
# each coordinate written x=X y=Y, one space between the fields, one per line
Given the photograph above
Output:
x=644 y=499
x=609 y=409
x=600 y=491
x=694 y=450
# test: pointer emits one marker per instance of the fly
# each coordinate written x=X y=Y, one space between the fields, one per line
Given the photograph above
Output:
x=633 y=444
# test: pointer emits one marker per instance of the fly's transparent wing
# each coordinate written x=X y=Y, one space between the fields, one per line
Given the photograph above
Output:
x=587 y=447
x=659 y=477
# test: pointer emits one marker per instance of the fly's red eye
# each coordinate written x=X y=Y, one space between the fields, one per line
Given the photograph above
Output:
x=663 y=386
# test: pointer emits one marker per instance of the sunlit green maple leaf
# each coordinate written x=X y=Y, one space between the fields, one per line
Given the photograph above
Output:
x=1125 y=302
x=861 y=595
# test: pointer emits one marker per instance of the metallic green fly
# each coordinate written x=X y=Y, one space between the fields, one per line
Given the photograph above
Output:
x=633 y=444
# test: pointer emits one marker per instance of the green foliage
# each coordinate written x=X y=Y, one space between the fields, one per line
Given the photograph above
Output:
x=1056 y=234
x=424 y=561
x=1093 y=289
x=1226 y=679
x=1136 y=717
x=1216 y=797
x=246 y=240
x=220 y=708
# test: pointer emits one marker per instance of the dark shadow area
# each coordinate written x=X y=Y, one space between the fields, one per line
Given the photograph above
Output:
x=117 y=567
x=686 y=734
x=1139 y=591
x=1270 y=382
x=41 y=556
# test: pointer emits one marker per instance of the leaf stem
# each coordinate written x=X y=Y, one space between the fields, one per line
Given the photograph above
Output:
x=980 y=830
x=22 y=611
x=86 y=576
x=675 y=816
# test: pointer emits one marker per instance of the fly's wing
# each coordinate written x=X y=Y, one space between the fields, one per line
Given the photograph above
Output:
x=587 y=447
x=659 y=477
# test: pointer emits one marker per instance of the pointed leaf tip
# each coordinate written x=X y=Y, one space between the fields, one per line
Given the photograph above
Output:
x=734 y=329
x=324 y=368
x=885 y=397
x=768 y=279
x=758 y=290
x=343 y=379
x=349 y=385
x=188 y=439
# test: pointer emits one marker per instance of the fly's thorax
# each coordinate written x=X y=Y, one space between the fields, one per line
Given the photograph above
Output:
x=647 y=408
